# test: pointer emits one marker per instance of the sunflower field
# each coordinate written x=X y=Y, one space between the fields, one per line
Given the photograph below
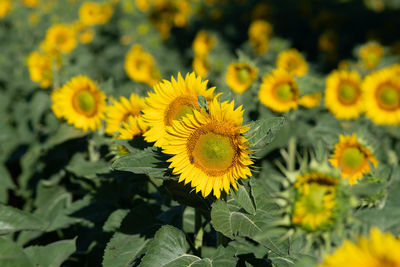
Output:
x=207 y=133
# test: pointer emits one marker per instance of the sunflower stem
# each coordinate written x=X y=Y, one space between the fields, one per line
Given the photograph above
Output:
x=198 y=232
x=292 y=154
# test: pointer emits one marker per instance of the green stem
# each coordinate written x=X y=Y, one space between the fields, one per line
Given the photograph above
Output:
x=198 y=232
x=292 y=154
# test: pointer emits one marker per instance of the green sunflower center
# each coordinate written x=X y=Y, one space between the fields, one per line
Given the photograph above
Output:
x=85 y=101
x=292 y=64
x=179 y=108
x=352 y=157
x=61 y=39
x=214 y=152
x=243 y=75
x=348 y=93
x=389 y=97
x=314 y=200
x=285 y=92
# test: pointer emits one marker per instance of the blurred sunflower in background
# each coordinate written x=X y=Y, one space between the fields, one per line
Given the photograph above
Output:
x=80 y=103
x=120 y=111
x=379 y=249
x=310 y=100
x=209 y=149
x=343 y=94
x=31 y=3
x=279 y=91
x=371 y=54
x=203 y=43
x=61 y=37
x=381 y=91
x=240 y=76
x=40 y=68
x=293 y=62
x=259 y=33
x=92 y=13
x=132 y=128
x=172 y=100
x=353 y=158
x=5 y=7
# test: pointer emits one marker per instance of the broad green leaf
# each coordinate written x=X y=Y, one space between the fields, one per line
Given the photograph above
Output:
x=263 y=131
x=88 y=169
x=232 y=222
x=123 y=250
x=13 y=220
x=148 y=161
x=63 y=134
x=12 y=255
x=114 y=220
x=242 y=197
x=52 y=255
x=168 y=248
x=6 y=183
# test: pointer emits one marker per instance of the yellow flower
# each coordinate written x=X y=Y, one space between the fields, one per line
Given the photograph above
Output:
x=40 y=68
x=5 y=7
x=209 y=150
x=353 y=158
x=371 y=54
x=200 y=65
x=381 y=91
x=203 y=43
x=143 y=5
x=60 y=37
x=85 y=33
x=31 y=3
x=172 y=101
x=311 y=100
x=315 y=200
x=343 y=94
x=121 y=111
x=240 y=76
x=379 y=250
x=259 y=33
x=134 y=127
x=278 y=91
x=92 y=13
x=140 y=66
x=293 y=62
x=80 y=103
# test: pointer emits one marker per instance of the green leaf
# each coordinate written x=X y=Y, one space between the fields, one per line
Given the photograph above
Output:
x=230 y=221
x=6 y=183
x=202 y=102
x=13 y=220
x=123 y=250
x=12 y=255
x=114 y=220
x=87 y=169
x=63 y=134
x=263 y=131
x=149 y=161
x=168 y=248
x=52 y=255
x=242 y=197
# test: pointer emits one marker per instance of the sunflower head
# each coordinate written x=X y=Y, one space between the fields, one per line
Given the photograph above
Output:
x=315 y=200
x=382 y=96
x=293 y=62
x=203 y=43
x=132 y=128
x=172 y=100
x=311 y=100
x=259 y=34
x=379 y=249
x=80 y=103
x=5 y=7
x=40 y=68
x=279 y=91
x=200 y=65
x=353 y=158
x=60 y=37
x=92 y=13
x=30 y=3
x=209 y=149
x=240 y=76
x=343 y=94
x=371 y=54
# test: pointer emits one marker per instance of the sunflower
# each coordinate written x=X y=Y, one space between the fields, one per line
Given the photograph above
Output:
x=380 y=249
x=31 y=3
x=278 y=91
x=203 y=43
x=201 y=65
x=371 y=54
x=5 y=7
x=80 y=103
x=343 y=94
x=292 y=61
x=92 y=13
x=60 y=37
x=133 y=127
x=259 y=33
x=209 y=150
x=382 y=96
x=310 y=100
x=140 y=66
x=240 y=76
x=84 y=33
x=315 y=200
x=121 y=111
x=143 y=5
x=172 y=101
x=40 y=68
x=353 y=158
